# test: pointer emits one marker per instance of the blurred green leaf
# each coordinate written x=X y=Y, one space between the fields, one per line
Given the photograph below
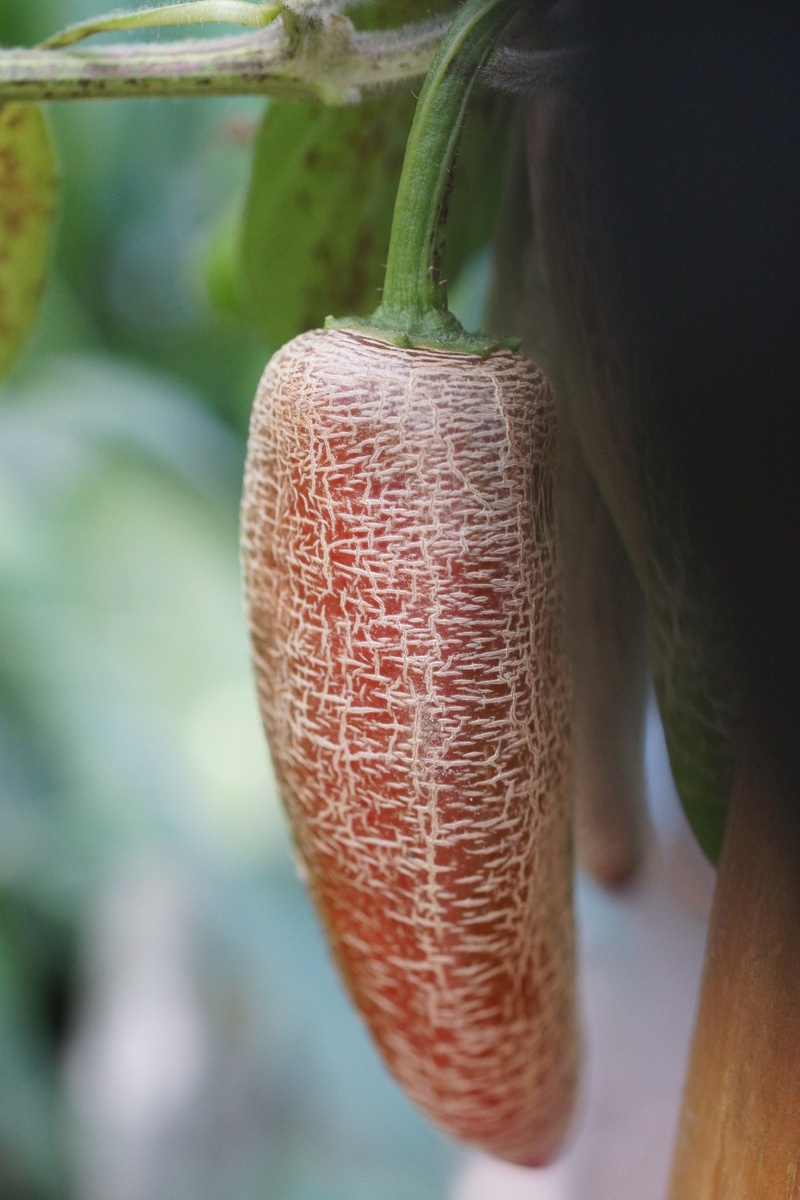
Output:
x=318 y=215
x=321 y=200
x=387 y=14
x=223 y=279
x=28 y=189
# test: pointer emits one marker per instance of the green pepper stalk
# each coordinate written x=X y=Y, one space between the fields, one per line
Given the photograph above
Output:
x=413 y=311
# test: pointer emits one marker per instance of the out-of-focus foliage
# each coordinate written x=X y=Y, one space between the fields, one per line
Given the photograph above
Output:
x=144 y=186
x=170 y=1025
x=28 y=188
x=320 y=209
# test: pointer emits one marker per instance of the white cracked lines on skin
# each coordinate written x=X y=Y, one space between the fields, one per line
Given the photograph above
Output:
x=402 y=582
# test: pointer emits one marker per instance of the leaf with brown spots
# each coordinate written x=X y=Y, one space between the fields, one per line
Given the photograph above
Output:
x=319 y=211
x=28 y=187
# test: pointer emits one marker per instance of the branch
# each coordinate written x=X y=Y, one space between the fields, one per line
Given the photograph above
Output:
x=320 y=58
x=325 y=60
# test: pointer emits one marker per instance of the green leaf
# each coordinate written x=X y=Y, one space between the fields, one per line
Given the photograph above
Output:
x=319 y=211
x=321 y=199
x=387 y=14
x=28 y=188
x=692 y=663
x=220 y=266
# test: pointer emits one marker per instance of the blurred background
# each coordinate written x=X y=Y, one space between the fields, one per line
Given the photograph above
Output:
x=170 y=1025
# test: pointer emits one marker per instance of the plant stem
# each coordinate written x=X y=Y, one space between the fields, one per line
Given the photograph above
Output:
x=414 y=310
x=740 y=1134
x=414 y=283
x=331 y=62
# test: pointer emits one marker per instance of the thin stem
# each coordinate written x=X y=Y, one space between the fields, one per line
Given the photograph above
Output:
x=196 y=12
x=414 y=285
x=331 y=62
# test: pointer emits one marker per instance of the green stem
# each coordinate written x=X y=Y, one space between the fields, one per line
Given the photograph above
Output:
x=414 y=306
x=414 y=280
x=331 y=62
